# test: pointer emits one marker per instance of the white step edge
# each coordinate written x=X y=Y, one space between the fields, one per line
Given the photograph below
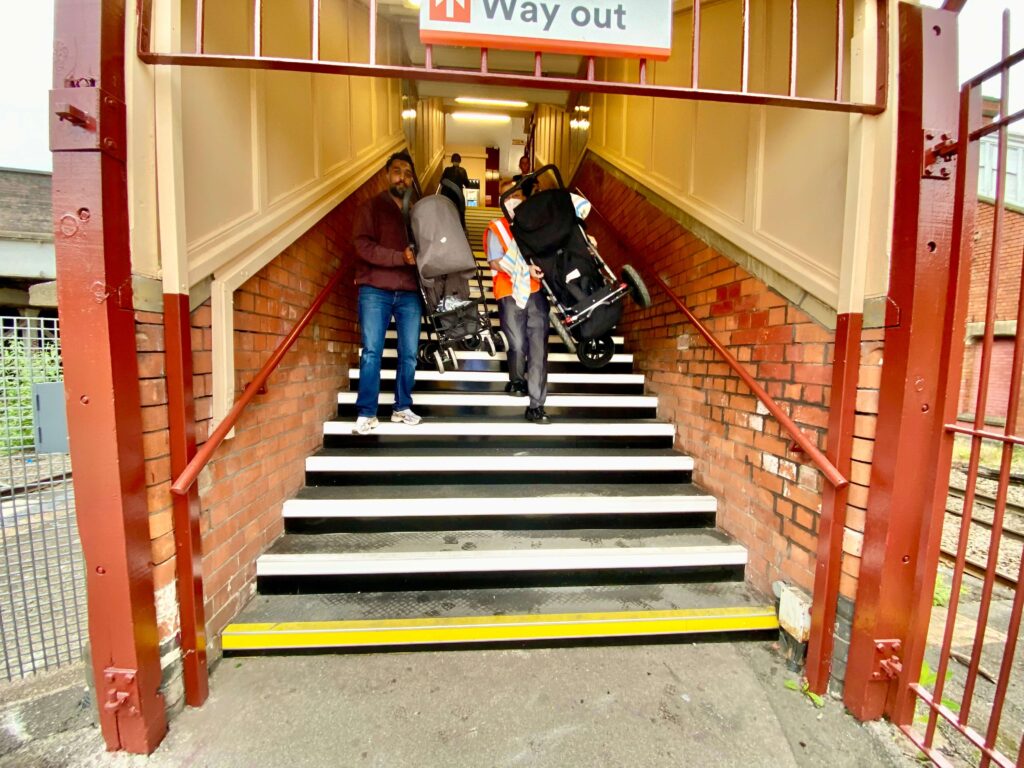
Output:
x=500 y=376
x=501 y=506
x=429 y=428
x=553 y=357
x=495 y=323
x=443 y=462
x=590 y=558
x=502 y=400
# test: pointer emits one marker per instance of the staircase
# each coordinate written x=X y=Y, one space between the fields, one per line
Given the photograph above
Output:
x=479 y=527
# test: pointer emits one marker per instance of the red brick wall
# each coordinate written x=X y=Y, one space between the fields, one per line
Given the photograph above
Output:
x=1007 y=293
x=243 y=488
x=769 y=497
x=1010 y=254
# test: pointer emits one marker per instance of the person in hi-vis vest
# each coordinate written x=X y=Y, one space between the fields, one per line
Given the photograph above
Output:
x=523 y=309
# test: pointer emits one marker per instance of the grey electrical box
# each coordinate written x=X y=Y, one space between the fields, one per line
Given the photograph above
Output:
x=50 y=418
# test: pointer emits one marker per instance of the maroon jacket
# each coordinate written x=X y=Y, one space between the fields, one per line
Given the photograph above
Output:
x=380 y=238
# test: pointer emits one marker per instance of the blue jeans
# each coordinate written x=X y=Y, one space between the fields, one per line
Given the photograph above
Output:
x=376 y=308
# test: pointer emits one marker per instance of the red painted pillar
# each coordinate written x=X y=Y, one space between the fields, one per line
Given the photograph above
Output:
x=832 y=523
x=94 y=289
x=910 y=416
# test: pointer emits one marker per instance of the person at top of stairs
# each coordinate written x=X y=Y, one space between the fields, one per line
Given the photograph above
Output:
x=388 y=287
x=523 y=313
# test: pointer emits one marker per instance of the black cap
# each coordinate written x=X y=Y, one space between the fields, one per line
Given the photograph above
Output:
x=456 y=157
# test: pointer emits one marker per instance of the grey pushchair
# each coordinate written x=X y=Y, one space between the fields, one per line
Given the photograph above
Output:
x=446 y=265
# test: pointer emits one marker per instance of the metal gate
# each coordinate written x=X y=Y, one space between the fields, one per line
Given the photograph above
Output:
x=42 y=578
x=965 y=705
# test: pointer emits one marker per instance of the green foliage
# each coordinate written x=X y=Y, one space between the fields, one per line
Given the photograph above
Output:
x=928 y=679
x=803 y=688
x=943 y=591
x=23 y=364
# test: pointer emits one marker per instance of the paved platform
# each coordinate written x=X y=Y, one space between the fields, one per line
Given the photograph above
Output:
x=707 y=704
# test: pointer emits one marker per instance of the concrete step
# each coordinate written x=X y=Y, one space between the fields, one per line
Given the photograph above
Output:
x=453 y=404
x=475 y=503
x=394 y=465
x=488 y=552
x=411 y=617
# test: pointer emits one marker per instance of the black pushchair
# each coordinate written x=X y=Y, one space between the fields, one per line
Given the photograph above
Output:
x=585 y=294
x=445 y=263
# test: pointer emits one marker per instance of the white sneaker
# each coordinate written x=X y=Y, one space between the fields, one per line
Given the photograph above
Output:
x=406 y=417
x=364 y=425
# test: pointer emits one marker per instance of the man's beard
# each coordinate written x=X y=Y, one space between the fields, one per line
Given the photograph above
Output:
x=398 y=191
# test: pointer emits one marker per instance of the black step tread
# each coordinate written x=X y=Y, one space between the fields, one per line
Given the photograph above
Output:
x=352 y=606
x=527 y=493
x=490 y=540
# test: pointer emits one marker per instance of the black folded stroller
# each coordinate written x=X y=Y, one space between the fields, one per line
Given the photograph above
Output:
x=445 y=263
x=586 y=296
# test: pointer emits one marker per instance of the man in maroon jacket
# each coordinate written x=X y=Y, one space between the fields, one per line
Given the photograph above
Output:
x=388 y=287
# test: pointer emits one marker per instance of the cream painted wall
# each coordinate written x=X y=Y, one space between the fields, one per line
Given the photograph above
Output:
x=428 y=141
x=247 y=160
x=263 y=152
x=775 y=181
x=553 y=141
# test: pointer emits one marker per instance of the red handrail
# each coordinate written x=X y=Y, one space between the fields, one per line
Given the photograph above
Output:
x=204 y=454
x=827 y=468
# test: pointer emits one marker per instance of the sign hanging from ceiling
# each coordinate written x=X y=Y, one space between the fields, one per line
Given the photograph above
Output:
x=633 y=28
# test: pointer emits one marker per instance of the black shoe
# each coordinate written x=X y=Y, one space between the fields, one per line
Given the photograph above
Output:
x=516 y=388
x=537 y=416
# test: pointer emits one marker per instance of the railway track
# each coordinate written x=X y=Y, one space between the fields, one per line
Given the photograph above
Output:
x=1014 y=513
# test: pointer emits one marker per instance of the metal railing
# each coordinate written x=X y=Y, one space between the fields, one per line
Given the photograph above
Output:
x=804 y=443
x=43 y=610
x=828 y=469
x=256 y=386
x=533 y=77
x=956 y=703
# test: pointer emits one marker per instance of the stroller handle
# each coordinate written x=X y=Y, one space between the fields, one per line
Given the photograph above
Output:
x=529 y=177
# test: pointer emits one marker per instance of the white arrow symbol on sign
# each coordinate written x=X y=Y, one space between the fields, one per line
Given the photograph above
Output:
x=449 y=5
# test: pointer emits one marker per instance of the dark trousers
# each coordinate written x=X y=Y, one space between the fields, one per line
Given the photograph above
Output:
x=527 y=330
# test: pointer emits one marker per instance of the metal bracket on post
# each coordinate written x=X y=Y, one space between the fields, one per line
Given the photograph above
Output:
x=122 y=691
x=86 y=118
x=887 y=664
x=937 y=156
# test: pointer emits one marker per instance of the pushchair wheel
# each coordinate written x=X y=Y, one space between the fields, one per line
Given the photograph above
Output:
x=492 y=349
x=454 y=360
x=439 y=360
x=425 y=354
x=471 y=343
x=500 y=341
x=637 y=288
x=595 y=353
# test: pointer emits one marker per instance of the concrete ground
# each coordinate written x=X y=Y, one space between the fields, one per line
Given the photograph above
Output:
x=707 y=704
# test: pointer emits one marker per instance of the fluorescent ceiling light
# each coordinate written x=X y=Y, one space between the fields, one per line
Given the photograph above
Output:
x=491 y=102
x=481 y=117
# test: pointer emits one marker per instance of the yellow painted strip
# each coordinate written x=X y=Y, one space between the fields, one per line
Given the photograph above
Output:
x=477 y=629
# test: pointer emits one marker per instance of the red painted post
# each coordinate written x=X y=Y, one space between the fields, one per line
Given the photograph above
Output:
x=832 y=523
x=181 y=417
x=94 y=289
x=910 y=421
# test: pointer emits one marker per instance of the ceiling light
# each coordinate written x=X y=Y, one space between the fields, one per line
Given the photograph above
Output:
x=582 y=108
x=408 y=114
x=481 y=117
x=491 y=102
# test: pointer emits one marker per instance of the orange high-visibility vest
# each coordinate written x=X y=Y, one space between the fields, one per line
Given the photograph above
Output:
x=503 y=280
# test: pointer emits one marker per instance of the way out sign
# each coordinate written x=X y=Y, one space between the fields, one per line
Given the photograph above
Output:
x=636 y=28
